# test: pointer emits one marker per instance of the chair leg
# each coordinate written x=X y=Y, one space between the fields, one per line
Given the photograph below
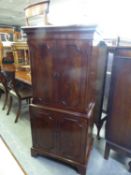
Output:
x=10 y=105
x=0 y=93
x=101 y=122
x=5 y=102
x=19 y=110
x=29 y=100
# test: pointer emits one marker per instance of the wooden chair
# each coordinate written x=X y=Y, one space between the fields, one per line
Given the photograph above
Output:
x=21 y=92
x=35 y=10
x=3 y=88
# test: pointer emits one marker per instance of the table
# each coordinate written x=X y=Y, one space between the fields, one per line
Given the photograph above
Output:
x=21 y=74
x=8 y=67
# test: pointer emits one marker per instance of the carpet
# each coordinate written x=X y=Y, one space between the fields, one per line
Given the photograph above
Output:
x=10 y=164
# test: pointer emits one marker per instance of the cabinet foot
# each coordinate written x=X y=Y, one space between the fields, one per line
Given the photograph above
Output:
x=130 y=166
x=98 y=133
x=107 y=151
x=100 y=126
x=34 y=152
x=82 y=170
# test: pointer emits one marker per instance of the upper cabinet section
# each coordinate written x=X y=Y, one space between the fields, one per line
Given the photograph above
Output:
x=64 y=65
x=90 y=33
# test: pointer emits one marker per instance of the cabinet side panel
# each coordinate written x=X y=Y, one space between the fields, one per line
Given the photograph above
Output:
x=119 y=118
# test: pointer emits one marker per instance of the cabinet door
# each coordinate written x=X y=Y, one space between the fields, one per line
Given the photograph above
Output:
x=43 y=126
x=43 y=70
x=73 y=59
x=59 y=72
x=72 y=137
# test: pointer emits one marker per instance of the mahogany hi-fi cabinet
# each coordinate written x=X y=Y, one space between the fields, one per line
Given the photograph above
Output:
x=67 y=68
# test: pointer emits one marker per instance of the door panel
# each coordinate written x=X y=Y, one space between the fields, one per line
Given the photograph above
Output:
x=59 y=73
x=72 y=137
x=43 y=129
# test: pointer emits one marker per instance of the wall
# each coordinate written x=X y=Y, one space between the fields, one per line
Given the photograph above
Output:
x=68 y=11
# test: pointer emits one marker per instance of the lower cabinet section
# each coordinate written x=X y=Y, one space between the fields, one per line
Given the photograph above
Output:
x=62 y=135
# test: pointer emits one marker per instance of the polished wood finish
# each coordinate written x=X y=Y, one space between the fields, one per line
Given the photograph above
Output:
x=66 y=80
x=23 y=76
x=118 y=126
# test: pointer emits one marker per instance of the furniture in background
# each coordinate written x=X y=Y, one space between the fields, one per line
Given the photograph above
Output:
x=1 y=52
x=8 y=67
x=118 y=127
x=18 y=84
x=21 y=92
x=22 y=73
x=67 y=68
x=36 y=13
x=8 y=34
x=100 y=87
x=7 y=55
x=20 y=52
x=107 y=79
x=23 y=76
x=6 y=77
x=111 y=44
x=3 y=88
x=8 y=58
x=110 y=58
